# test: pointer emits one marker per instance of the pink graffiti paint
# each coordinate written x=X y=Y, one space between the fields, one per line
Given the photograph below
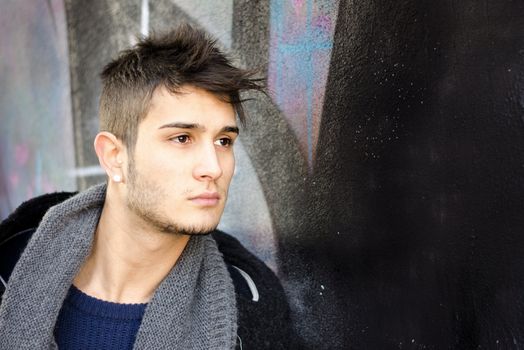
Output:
x=14 y=180
x=21 y=154
x=29 y=192
x=298 y=4
x=47 y=186
x=323 y=23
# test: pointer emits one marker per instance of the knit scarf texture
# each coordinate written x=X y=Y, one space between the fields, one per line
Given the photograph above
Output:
x=194 y=307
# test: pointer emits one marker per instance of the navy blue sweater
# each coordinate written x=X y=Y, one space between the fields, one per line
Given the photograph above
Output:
x=85 y=322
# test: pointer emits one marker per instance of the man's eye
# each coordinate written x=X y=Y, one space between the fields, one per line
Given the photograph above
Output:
x=224 y=142
x=181 y=139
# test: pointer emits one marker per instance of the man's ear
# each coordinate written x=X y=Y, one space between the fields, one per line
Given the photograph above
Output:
x=111 y=154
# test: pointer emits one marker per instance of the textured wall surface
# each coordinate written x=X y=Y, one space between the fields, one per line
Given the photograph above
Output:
x=382 y=178
x=419 y=173
x=36 y=134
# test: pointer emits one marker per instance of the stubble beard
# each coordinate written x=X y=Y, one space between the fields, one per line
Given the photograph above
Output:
x=143 y=198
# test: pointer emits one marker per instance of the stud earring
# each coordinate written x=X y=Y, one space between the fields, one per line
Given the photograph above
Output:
x=117 y=178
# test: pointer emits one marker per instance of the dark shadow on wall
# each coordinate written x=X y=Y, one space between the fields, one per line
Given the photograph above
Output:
x=418 y=179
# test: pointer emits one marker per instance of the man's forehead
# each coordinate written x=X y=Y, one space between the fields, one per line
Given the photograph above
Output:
x=197 y=126
x=161 y=92
x=190 y=108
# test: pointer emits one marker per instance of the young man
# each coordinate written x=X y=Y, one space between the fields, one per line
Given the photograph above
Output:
x=137 y=262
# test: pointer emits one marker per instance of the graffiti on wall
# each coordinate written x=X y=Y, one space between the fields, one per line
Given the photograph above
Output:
x=300 y=49
x=36 y=133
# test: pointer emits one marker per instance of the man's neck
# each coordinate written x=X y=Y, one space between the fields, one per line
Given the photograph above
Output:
x=128 y=261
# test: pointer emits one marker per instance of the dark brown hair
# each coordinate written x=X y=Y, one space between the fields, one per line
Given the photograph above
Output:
x=185 y=56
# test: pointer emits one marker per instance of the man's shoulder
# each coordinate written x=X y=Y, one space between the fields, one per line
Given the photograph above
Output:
x=17 y=229
x=256 y=273
x=29 y=214
x=264 y=317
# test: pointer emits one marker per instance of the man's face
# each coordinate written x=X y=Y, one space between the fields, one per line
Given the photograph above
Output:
x=183 y=161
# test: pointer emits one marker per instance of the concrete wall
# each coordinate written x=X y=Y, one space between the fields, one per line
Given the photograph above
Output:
x=382 y=178
x=36 y=133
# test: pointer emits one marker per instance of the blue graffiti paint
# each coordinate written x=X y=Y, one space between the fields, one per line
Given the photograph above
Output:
x=298 y=47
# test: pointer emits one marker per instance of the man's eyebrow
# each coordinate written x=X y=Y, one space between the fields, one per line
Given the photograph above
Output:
x=232 y=129
x=182 y=126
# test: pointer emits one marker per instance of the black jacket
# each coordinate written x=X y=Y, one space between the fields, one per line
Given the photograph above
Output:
x=263 y=312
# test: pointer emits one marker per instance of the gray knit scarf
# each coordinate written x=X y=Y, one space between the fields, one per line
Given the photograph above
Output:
x=193 y=308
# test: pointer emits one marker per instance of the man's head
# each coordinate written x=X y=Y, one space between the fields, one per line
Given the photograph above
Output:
x=185 y=56
x=167 y=120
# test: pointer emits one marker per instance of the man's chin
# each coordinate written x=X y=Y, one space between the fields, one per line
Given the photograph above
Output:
x=187 y=229
x=192 y=227
x=196 y=231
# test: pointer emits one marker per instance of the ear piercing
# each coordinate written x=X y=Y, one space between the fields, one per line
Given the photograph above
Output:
x=117 y=178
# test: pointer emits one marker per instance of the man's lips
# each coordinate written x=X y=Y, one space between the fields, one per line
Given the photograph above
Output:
x=206 y=199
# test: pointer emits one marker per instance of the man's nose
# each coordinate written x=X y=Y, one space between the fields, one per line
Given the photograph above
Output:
x=208 y=165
